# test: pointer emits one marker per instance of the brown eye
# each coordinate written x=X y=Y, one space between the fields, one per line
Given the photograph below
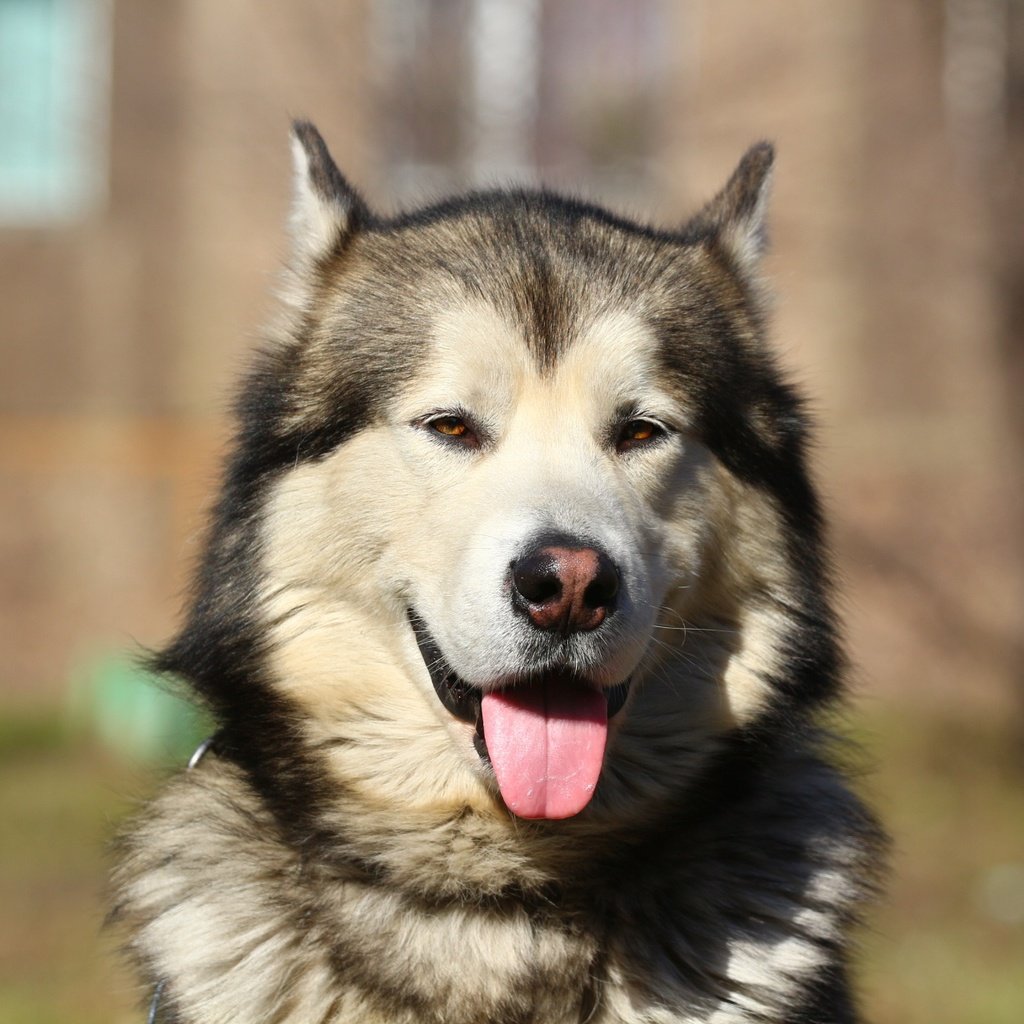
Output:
x=637 y=433
x=450 y=426
x=453 y=429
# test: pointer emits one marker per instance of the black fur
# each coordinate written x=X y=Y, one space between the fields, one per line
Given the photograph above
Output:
x=741 y=845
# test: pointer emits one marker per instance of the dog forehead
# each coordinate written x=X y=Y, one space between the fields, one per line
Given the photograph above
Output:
x=480 y=353
x=474 y=337
x=481 y=297
x=546 y=266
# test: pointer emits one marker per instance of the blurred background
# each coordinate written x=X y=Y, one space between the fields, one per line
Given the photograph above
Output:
x=144 y=183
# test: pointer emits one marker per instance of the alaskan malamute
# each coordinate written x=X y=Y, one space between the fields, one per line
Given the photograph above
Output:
x=515 y=617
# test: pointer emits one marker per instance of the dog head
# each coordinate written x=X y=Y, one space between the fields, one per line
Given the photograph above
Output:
x=518 y=518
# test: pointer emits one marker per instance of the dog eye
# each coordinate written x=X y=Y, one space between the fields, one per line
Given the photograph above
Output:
x=455 y=429
x=450 y=426
x=637 y=433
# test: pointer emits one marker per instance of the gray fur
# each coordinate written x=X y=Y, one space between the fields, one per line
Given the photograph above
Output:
x=344 y=856
x=727 y=919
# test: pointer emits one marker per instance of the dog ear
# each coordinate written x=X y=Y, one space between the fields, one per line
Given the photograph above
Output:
x=326 y=209
x=735 y=219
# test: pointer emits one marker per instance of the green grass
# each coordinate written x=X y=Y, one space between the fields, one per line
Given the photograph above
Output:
x=58 y=803
x=947 y=945
x=944 y=948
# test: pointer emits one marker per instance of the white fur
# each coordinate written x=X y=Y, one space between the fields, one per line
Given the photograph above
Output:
x=406 y=891
x=317 y=221
x=743 y=235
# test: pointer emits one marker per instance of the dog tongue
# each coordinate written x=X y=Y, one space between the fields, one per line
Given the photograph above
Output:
x=546 y=745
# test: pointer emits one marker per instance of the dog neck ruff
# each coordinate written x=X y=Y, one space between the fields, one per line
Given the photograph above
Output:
x=197 y=755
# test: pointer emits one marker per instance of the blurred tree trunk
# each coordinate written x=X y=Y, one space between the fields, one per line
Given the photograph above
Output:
x=1008 y=238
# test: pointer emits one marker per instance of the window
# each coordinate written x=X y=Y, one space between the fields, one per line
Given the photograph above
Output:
x=54 y=87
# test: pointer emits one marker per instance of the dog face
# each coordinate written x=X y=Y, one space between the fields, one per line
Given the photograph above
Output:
x=534 y=527
x=519 y=496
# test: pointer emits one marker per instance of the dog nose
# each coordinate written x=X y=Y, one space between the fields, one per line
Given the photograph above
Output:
x=565 y=588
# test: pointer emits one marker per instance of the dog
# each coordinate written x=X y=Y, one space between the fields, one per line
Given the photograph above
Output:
x=516 y=619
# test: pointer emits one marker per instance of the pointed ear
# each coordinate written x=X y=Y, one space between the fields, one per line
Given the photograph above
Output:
x=735 y=218
x=326 y=209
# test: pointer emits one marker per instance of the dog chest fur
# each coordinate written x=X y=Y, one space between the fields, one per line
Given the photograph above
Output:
x=728 y=915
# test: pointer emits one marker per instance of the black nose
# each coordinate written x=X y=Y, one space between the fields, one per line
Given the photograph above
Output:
x=571 y=589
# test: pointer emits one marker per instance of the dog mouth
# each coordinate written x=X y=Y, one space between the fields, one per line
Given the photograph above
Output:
x=544 y=737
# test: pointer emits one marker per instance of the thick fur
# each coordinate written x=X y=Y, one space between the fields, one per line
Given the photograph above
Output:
x=343 y=854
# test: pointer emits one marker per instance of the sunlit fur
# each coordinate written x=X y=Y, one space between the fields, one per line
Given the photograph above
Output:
x=343 y=853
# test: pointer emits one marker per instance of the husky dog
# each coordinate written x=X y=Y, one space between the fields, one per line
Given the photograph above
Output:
x=515 y=618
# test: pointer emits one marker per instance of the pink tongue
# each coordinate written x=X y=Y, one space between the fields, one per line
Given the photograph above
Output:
x=546 y=745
